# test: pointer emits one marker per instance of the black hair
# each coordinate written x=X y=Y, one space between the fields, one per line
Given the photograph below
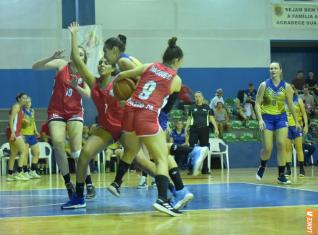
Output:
x=240 y=96
x=122 y=38
x=18 y=97
x=172 y=52
x=112 y=42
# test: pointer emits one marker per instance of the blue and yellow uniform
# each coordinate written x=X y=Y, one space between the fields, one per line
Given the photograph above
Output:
x=273 y=105
x=28 y=127
x=131 y=58
x=293 y=133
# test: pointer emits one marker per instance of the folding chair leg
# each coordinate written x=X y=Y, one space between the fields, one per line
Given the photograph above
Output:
x=222 y=162
x=209 y=162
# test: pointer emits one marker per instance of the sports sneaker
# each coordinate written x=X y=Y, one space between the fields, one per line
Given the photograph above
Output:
x=90 y=191
x=114 y=189
x=75 y=202
x=21 y=176
x=27 y=175
x=283 y=180
x=260 y=173
x=70 y=189
x=301 y=172
x=142 y=183
x=34 y=175
x=182 y=198
x=11 y=178
x=198 y=155
x=165 y=207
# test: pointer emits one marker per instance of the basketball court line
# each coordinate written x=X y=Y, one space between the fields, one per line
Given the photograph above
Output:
x=208 y=197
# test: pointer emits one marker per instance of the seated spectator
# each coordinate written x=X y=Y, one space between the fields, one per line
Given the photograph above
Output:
x=247 y=107
x=312 y=84
x=45 y=133
x=112 y=154
x=217 y=98
x=221 y=118
x=179 y=136
x=238 y=111
x=309 y=101
x=308 y=146
x=251 y=94
x=299 y=80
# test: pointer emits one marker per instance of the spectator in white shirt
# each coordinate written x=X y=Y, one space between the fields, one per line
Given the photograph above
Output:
x=217 y=98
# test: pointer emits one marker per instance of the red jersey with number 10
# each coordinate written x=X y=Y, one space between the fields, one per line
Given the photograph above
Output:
x=65 y=99
x=153 y=88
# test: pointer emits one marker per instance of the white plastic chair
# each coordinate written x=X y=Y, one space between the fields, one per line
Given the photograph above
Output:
x=45 y=153
x=216 y=150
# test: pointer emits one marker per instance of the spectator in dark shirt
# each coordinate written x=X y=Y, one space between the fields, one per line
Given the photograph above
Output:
x=251 y=94
x=299 y=81
x=312 y=83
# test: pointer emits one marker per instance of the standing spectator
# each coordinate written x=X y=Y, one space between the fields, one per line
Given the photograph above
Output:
x=217 y=98
x=311 y=82
x=179 y=136
x=200 y=115
x=222 y=118
x=299 y=80
x=309 y=101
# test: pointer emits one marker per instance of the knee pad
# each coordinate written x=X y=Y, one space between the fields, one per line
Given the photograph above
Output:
x=75 y=155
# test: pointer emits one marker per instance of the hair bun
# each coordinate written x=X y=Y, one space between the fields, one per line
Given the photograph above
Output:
x=172 y=42
x=122 y=38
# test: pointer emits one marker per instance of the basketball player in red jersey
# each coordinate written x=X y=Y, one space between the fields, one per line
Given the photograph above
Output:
x=110 y=115
x=114 y=52
x=15 y=138
x=65 y=111
x=157 y=82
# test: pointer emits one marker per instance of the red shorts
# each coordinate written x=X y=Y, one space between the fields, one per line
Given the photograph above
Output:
x=8 y=134
x=142 y=122
x=58 y=116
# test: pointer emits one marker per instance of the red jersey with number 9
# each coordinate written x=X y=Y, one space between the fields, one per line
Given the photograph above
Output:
x=153 y=89
x=65 y=100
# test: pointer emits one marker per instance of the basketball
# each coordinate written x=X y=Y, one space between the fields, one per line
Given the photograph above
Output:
x=123 y=89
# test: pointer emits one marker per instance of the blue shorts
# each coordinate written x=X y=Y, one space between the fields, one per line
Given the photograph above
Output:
x=275 y=122
x=293 y=133
x=30 y=139
x=163 y=120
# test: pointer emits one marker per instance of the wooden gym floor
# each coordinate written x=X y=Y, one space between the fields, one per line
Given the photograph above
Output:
x=225 y=202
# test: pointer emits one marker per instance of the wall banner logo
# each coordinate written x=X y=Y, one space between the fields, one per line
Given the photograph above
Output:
x=303 y=16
